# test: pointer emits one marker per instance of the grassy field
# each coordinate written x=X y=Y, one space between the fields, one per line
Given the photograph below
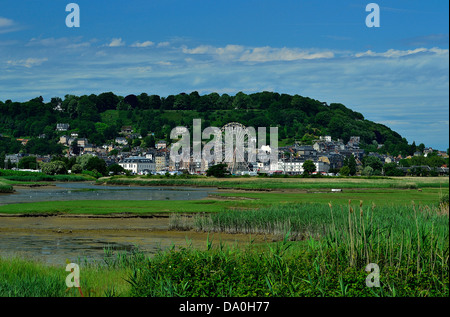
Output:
x=325 y=241
x=232 y=200
x=266 y=183
x=11 y=177
x=408 y=244
x=5 y=188
x=29 y=278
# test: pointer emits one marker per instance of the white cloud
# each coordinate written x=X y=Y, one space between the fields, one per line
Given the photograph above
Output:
x=269 y=54
x=400 y=53
x=28 y=63
x=256 y=54
x=390 y=86
x=116 y=43
x=162 y=63
x=8 y=25
x=4 y=22
x=163 y=44
x=143 y=44
x=63 y=42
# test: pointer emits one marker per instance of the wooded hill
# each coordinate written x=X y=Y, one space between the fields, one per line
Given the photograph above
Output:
x=101 y=117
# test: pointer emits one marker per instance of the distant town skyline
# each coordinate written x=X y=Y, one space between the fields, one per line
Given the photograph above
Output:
x=397 y=74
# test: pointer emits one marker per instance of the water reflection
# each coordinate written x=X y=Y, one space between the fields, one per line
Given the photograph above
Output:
x=90 y=191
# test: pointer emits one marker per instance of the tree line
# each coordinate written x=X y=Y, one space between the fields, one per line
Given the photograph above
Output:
x=100 y=118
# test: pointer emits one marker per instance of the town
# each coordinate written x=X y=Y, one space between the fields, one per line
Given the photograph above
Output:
x=328 y=156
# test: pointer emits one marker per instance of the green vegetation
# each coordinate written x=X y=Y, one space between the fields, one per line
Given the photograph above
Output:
x=218 y=170
x=234 y=200
x=25 y=278
x=20 y=177
x=333 y=266
x=100 y=118
x=103 y=207
x=5 y=188
x=309 y=167
x=261 y=183
x=335 y=244
x=318 y=242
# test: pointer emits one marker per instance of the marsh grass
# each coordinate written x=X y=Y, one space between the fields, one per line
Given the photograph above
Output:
x=323 y=250
x=261 y=183
x=106 y=278
x=410 y=245
x=6 y=188
x=22 y=176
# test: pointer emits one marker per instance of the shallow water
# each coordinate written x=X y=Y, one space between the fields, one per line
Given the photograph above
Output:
x=90 y=191
x=57 y=249
x=53 y=240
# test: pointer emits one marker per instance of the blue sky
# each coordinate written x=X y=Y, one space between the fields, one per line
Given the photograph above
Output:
x=397 y=74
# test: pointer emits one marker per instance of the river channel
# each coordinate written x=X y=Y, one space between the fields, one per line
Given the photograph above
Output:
x=82 y=238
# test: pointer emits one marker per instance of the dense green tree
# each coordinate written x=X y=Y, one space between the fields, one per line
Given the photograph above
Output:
x=116 y=169
x=344 y=171
x=54 y=168
x=43 y=147
x=350 y=162
x=96 y=164
x=373 y=161
x=76 y=169
x=309 y=167
x=28 y=162
x=367 y=171
x=218 y=170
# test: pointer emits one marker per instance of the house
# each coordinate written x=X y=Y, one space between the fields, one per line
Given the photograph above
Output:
x=43 y=159
x=62 y=126
x=82 y=142
x=354 y=141
x=13 y=158
x=89 y=148
x=138 y=165
x=126 y=130
x=63 y=139
x=161 y=145
x=160 y=162
x=320 y=146
x=121 y=141
x=325 y=138
x=427 y=151
x=296 y=166
x=306 y=150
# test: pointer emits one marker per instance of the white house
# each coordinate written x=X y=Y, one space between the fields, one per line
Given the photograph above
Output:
x=138 y=165
x=121 y=141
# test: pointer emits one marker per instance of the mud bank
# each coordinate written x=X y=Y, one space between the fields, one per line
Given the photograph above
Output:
x=54 y=239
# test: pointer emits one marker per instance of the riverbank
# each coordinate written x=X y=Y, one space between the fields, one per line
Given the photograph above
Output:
x=270 y=184
x=74 y=236
x=409 y=245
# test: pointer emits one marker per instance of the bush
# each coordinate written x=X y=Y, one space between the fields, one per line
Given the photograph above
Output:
x=77 y=169
x=5 y=188
x=345 y=171
x=94 y=174
x=54 y=168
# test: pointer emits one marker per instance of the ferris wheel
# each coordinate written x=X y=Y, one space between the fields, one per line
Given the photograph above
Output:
x=236 y=158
